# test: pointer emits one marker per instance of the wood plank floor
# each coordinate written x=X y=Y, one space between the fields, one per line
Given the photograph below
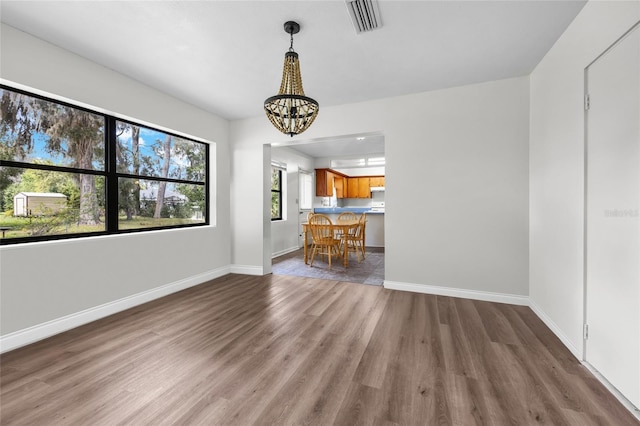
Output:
x=291 y=350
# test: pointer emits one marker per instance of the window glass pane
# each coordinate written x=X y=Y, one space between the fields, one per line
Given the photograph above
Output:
x=149 y=152
x=39 y=202
x=354 y=162
x=33 y=130
x=276 y=193
x=275 y=206
x=150 y=203
x=275 y=179
x=375 y=161
x=306 y=191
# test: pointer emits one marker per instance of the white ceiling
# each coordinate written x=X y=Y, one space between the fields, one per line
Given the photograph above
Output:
x=345 y=146
x=226 y=56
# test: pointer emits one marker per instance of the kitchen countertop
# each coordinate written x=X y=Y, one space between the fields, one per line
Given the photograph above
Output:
x=338 y=210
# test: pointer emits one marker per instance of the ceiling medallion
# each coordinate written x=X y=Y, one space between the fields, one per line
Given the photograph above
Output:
x=290 y=111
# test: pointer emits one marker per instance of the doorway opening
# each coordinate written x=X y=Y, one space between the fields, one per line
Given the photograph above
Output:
x=351 y=156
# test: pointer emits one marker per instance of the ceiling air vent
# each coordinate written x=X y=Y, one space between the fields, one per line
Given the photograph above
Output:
x=364 y=14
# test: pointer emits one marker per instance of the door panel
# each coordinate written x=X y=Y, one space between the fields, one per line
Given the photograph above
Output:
x=612 y=216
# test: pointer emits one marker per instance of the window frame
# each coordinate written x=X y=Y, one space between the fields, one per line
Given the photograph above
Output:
x=111 y=176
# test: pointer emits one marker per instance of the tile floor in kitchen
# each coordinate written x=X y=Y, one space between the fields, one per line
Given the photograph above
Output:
x=368 y=271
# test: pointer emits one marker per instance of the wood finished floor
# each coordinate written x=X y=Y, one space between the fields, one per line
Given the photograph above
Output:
x=291 y=350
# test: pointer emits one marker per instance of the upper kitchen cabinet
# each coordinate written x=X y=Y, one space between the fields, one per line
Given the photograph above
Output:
x=358 y=187
x=340 y=186
x=364 y=188
x=352 y=188
x=376 y=181
x=324 y=183
x=327 y=181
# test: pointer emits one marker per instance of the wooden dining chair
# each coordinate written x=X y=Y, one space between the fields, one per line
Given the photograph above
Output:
x=363 y=225
x=354 y=240
x=324 y=242
x=345 y=216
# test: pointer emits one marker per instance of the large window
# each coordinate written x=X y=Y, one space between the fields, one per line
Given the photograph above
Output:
x=70 y=172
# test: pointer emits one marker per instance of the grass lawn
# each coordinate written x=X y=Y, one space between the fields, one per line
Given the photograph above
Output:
x=25 y=227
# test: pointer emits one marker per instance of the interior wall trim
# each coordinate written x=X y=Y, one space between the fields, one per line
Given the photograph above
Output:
x=247 y=270
x=512 y=299
x=283 y=252
x=47 y=329
x=615 y=392
x=556 y=330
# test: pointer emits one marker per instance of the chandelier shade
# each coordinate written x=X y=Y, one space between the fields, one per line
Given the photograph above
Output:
x=290 y=111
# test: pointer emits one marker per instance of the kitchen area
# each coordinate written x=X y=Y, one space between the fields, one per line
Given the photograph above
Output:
x=331 y=176
x=357 y=192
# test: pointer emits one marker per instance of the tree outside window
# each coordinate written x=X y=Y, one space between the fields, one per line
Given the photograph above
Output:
x=276 y=193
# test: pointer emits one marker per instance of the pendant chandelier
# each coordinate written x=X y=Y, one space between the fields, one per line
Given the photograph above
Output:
x=290 y=111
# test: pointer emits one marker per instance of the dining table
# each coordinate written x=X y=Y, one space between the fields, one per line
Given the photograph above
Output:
x=342 y=226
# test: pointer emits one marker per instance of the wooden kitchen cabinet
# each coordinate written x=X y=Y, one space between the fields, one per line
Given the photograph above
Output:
x=328 y=180
x=352 y=187
x=340 y=186
x=324 y=183
x=376 y=181
x=364 y=187
x=358 y=187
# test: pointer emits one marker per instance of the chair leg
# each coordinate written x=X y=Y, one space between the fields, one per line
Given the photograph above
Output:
x=313 y=254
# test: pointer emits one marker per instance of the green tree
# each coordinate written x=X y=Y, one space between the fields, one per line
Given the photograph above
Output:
x=128 y=161
x=193 y=160
x=76 y=134
x=32 y=180
x=162 y=187
x=19 y=120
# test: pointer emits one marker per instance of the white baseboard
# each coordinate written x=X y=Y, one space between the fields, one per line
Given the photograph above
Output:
x=285 y=251
x=619 y=396
x=555 y=329
x=511 y=299
x=580 y=357
x=247 y=270
x=42 y=331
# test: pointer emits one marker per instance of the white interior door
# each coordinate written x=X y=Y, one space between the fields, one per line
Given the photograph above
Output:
x=612 y=240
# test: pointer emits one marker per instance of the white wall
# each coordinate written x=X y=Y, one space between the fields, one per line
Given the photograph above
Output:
x=456 y=178
x=557 y=165
x=284 y=233
x=42 y=282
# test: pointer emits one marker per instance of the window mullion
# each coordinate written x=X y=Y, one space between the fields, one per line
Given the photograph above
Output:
x=111 y=213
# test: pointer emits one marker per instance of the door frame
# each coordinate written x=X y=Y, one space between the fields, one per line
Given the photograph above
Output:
x=622 y=398
x=302 y=218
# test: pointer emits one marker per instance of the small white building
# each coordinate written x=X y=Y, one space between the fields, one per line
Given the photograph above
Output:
x=38 y=203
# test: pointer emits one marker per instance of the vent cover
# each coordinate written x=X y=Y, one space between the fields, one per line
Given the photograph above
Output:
x=364 y=14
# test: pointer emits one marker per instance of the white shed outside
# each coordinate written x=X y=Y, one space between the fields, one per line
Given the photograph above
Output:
x=38 y=203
